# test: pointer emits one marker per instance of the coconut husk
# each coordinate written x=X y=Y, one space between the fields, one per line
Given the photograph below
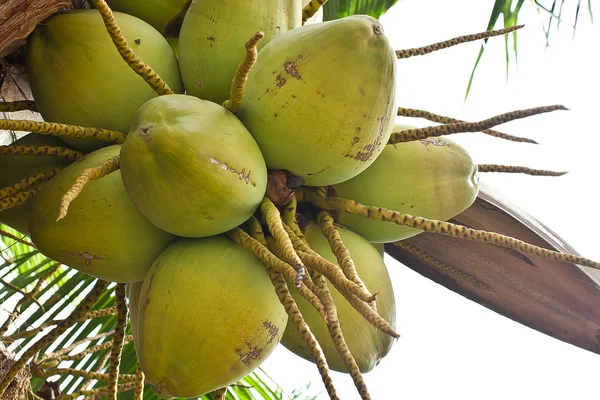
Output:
x=19 y=387
x=19 y=18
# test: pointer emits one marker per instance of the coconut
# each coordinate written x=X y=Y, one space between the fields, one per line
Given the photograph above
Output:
x=15 y=168
x=191 y=167
x=163 y=15
x=321 y=129
x=433 y=178
x=208 y=315
x=77 y=76
x=367 y=344
x=213 y=34
x=103 y=234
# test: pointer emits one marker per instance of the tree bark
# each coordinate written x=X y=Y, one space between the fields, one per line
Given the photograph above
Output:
x=18 y=18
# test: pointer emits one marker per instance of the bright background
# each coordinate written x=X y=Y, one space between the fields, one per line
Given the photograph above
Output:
x=451 y=347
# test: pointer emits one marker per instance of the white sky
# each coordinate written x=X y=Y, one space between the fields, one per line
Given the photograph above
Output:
x=451 y=347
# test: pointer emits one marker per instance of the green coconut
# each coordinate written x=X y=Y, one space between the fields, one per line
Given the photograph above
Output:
x=323 y=129
x=213 y=34
x=191 y=167
x=134 y=292
x=164 y=15
x=15 y=168
x=208 y=316
x=432 y=178
x=103 y=234
x=367 y=344
x=380 y=248
x=77 y=76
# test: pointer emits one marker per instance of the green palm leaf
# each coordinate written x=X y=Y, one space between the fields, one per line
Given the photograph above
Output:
x=509 y=10
x=335 y=9
x=21 y=267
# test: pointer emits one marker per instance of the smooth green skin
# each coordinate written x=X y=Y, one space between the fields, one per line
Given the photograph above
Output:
x=15 y=168
x=380 y=248
x=158 y=13
x=213 y=35
x=191 y=167
x=322 y=129
x=77 y=76
x=174 y=43
x=433 y=178
x=367 y=344
x=103 y=234
x=208 y=316
x=134 y=293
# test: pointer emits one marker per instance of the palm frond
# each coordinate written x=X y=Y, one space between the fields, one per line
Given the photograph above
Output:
x=510 y=10
x=335 y=9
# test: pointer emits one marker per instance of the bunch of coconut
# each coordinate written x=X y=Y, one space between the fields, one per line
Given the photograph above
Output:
x=239 y=169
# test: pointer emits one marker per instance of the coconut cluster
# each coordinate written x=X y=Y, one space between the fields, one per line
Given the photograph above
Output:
x=220 y=171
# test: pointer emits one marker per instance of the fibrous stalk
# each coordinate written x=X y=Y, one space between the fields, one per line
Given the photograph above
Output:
x=410 y=135
x=414 y=113
x=420 y=51
x=238 y=84
x=117 y=348
x=54 y=129
x=440 y=227
x=41 y=151
x=137 y=65
x=106 y=167
x=273 y=220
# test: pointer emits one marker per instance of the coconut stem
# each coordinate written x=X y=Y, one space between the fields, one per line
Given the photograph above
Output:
x=91 y=315
x=335 y=275
x=514 y=169
x=86 y=374
x=270 y=260
x=41 y=151
x=137 y=65
x=337 y=336
x=117 y=348
x=68 y=349
x=311 y=9
x=79 y=312
x=341 y=252
x=292 y=310
x=273 y=220
x=289 y=219
x=21 y=105
x=29 y=297
x=414 y=113
x=139 y=382
x=238 y=84
x=458 y=127
x=439 y=227
x=13 y=315
x=54 y=129
x=93 y=349
x=106 y=167
x=220 y=394
x=27 y=182
x=421 y=51
x=87 y=384
x=434 y=262
x=99 y=392
x=16 y=238
x=18 y=199
x=363 y=308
